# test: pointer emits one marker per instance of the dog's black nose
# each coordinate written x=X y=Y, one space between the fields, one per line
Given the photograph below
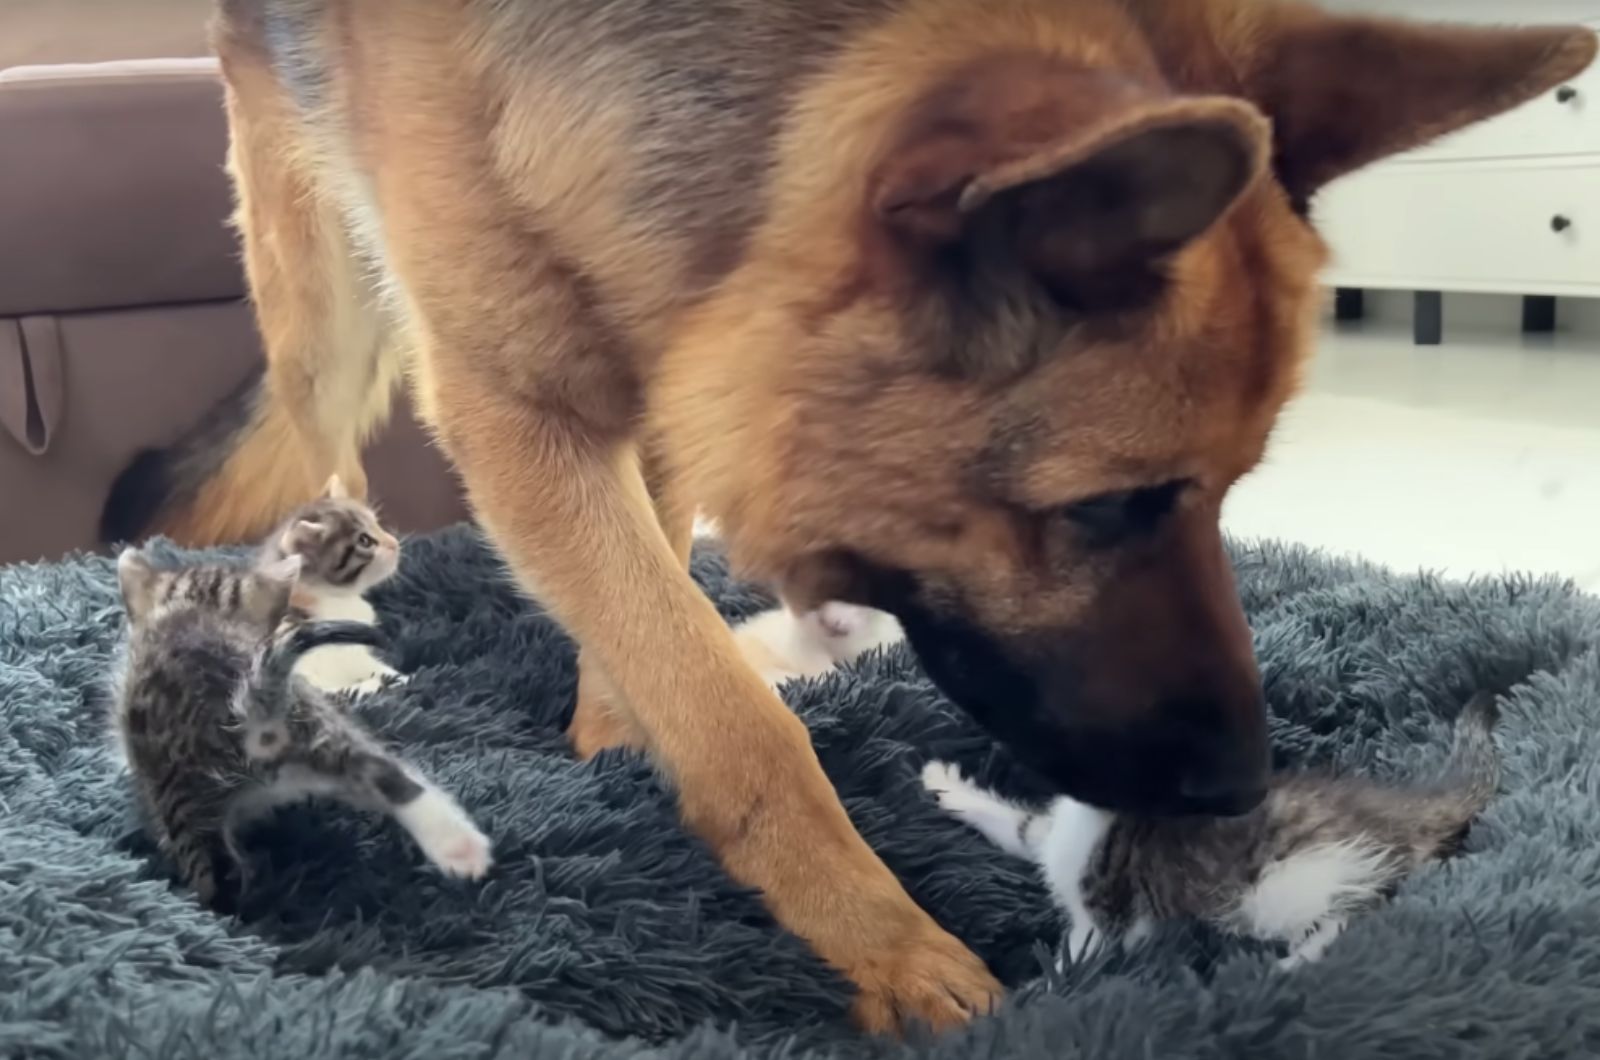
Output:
x=1205 y=796
x=1148 y=772
x=1218 y=746
x=1224 y=778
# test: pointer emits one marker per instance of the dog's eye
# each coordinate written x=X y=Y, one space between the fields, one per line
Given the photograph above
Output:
x=366 y=541
x=1111 y=517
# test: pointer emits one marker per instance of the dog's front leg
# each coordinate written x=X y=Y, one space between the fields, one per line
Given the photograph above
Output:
x=599 y=719
x=570 y=511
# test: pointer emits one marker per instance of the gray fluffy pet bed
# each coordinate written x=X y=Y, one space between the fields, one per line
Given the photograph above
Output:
x=606 y=931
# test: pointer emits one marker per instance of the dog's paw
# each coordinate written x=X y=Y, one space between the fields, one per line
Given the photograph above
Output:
x=928 y=982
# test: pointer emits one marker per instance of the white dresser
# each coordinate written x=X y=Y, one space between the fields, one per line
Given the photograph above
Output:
x=1510 y=206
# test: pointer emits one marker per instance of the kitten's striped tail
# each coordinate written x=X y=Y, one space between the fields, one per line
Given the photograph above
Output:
x=269 y=684
x=1441 y=812
x=1473 y=772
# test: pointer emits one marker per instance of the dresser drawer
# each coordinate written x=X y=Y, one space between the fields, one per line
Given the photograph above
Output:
x=1563 y=121
x=1473 y=226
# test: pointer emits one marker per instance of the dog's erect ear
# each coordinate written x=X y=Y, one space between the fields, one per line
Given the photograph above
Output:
x=1343 y=92
x=1089 y=179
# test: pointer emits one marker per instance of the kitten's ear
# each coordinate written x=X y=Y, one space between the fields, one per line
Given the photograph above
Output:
x=304 y=535
x=335 y=489
x=286 y=570
x=137 y=580
x=266 y=597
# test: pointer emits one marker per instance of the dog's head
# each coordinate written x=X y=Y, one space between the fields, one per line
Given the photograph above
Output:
x=1070 y=288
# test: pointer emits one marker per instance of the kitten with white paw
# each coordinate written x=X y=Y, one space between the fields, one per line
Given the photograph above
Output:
x=344 y=552
x=217 y=730
x=1315 y=853
x=784 y=646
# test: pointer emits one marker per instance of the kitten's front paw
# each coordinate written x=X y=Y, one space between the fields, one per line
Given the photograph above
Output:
x=943 y=779
x=378 y=682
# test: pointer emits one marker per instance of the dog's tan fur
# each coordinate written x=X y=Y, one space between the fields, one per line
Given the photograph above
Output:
x=609 y=331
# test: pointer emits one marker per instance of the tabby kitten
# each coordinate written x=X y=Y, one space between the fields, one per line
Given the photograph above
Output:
x=1318 y=851
x=344 y=553
x=216 y=730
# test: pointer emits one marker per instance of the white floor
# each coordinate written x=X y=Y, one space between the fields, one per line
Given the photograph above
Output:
x=1477 y=456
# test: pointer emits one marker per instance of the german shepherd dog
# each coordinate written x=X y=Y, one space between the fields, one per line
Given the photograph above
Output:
x=968 y=310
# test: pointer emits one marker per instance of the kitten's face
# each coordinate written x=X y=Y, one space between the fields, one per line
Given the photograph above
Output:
x=256 y=598
x=341 y=545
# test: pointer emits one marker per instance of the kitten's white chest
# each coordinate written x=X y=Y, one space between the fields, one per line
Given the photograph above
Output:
x=343 y=667
x=1075 y=833
x=347 y=607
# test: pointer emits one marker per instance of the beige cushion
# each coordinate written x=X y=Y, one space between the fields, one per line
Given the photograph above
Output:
x=121 y=312
x=114 y=192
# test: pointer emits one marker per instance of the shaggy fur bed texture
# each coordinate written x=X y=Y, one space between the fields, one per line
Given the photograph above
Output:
x=606 y=931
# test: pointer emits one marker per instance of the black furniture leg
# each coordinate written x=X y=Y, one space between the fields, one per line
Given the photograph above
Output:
x=1349 y=304
x=1428 y=327
x=1539 y=314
